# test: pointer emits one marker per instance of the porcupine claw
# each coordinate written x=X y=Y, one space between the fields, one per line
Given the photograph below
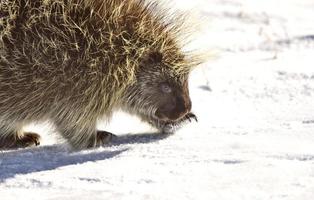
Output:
x=191 y=116
x=170 y=127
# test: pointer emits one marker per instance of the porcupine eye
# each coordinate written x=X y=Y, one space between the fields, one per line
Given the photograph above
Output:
x=165 y=88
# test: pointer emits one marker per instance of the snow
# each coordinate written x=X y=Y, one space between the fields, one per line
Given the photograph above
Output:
x=255 y=135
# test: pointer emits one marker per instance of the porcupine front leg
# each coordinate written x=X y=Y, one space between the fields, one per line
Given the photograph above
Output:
x=83 y=136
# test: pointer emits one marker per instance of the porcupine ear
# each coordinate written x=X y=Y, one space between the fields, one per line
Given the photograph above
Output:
x=153 y=57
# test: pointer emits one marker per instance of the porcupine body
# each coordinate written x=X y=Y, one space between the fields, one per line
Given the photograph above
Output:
x=74 y=61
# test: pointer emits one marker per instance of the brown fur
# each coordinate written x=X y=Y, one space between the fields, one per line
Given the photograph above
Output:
x=74 y=61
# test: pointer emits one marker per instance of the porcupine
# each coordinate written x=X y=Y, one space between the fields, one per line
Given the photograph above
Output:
x=74 y=61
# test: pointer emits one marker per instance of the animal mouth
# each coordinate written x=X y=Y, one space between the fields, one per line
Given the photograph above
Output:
x=170 y=126
x=171 y=116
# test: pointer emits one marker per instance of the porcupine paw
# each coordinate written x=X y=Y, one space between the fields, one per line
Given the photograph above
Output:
x=104 y=137
x=189 y=117
x=170 y=127
x=28 y=139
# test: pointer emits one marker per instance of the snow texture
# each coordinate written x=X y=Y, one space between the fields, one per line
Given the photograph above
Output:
x=255 y=135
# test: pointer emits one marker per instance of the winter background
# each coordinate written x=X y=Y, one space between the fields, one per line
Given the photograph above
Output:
x=255 y=135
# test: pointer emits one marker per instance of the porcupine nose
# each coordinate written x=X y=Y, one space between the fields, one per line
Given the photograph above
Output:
x=174 y=110
x=183 y=107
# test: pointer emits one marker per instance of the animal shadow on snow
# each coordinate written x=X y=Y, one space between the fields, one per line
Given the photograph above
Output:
x=137 y=138
x=43 y=158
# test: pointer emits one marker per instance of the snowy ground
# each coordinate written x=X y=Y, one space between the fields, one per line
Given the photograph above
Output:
x=254 y=139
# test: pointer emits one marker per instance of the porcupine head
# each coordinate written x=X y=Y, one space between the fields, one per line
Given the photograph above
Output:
x=159 y=93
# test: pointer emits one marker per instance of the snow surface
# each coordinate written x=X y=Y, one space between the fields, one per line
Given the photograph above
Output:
x=254 y=139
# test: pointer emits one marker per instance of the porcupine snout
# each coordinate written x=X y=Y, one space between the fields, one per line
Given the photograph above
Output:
x=176 y=105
